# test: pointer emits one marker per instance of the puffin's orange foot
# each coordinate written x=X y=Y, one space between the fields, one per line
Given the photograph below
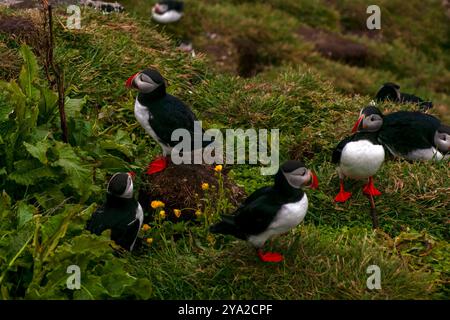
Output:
x=342 y=196
x=157 y=165
x=370 y=190
x=270 y=256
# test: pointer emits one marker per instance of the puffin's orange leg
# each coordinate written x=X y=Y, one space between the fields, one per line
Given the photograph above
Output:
x=370 y=190
x=157 y=165
x=270 y=256
x=343 y=195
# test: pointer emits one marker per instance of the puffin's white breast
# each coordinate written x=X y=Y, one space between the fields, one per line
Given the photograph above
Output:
x=167 y=17
x=288 y=217
x=142 y=115
x=361 y=159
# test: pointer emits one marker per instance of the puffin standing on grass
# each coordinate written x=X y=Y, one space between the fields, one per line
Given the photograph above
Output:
x=121 y=213
x=391 y=92
x=411 y=135
x=167 y=11
x=271 y=211
x=361 y=155
x=160 y=113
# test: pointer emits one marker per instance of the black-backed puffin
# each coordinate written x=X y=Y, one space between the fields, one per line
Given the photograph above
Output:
x=391 y=92
x=167 y=11
x=160 y=113
x=411 y=135
x=106 y=7
x=271 y=211
x=121 y=213
x=360 y=156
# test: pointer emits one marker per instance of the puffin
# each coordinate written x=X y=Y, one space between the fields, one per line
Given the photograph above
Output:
x=167 y=11
x=391 y=92
x=360 y=155
x=411 y=135
x=121 y=213
x=271 y=210
x=160 y=113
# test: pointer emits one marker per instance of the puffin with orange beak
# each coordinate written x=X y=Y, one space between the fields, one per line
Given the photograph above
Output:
x=160 y=114
x=361 y=155
x=270 y=211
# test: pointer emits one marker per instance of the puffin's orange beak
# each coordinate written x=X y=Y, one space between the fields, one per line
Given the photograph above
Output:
x=355 y=127
x=129 y=82
x=314 y=181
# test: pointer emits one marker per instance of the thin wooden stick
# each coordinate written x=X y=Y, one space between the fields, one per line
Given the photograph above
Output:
x=373 y=213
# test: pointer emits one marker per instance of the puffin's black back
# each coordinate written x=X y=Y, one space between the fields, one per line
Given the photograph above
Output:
x=116 y=215
x=406 y=131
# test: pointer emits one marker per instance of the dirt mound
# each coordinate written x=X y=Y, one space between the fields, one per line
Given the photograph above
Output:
x=336 y=47
x=180 y=187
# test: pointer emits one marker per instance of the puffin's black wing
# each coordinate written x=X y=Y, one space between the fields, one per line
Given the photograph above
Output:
x=97 y=223
x=255 y=216
x=125 y=236
x=336 y=157
x=170 y=114
x=405 y=131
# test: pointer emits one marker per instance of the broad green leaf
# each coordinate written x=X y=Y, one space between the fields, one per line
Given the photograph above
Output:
x=39 y=150
x=29 y=70
x=73 y=107
x=25 y=213
x=79 y=174
x=47 y=105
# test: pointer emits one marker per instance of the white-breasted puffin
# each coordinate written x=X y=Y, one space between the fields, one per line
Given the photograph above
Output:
x=160 y=113
x=360 y=156
x=121 y=213
x=411 y=135
x=167 y=11
x=391 y=92
x=271 y=211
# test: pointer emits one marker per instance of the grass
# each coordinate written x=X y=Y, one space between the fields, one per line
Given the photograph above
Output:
x=320 y=264
x=314 y=102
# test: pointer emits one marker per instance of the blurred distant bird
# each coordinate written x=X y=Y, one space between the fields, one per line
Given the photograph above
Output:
x=167 y=11
x=271 y=211
x=391 y=92
x=121 y=213
x=106 y=7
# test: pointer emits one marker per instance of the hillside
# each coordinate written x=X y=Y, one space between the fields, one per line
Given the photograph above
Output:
x=51 y=188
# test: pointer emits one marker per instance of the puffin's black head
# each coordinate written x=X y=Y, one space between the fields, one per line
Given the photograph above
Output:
x=168 y=5
x=296 y=175
x=121 y=185
x=146 y=81
x=389 y=91
x=442 y=139
x=370 y=120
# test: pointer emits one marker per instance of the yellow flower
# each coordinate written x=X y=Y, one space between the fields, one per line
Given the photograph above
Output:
x=198 y=213
x=218 y=168
x=149 y=240
x=205 y=186
x=162 y=214
x=177 y=212
x=157 y=204
x=145 y=227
